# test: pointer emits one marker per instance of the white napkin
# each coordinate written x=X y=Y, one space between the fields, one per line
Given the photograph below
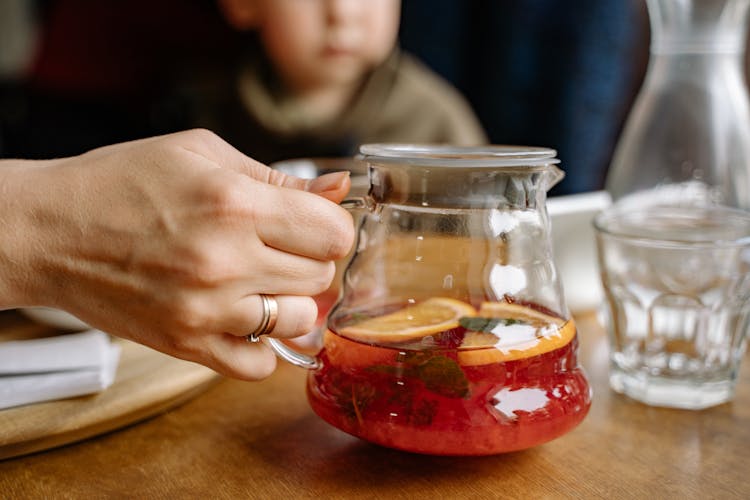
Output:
x=56 y=367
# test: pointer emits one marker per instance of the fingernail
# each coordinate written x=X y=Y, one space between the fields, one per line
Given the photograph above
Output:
x=328 y=182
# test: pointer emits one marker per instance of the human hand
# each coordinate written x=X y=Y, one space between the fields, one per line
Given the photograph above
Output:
x=169 y=241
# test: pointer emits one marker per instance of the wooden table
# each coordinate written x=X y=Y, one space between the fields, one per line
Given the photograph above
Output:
x=261 y=440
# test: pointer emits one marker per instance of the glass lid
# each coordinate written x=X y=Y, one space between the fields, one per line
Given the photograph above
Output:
x=434 y=155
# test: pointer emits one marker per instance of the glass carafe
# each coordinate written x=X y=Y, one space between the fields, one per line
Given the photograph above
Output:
x=687 y=138
x=451 y=335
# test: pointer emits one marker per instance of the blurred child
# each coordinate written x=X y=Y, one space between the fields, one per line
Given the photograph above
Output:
x=324 y=76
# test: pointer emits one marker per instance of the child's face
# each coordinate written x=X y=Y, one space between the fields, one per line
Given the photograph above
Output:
x=319 y=43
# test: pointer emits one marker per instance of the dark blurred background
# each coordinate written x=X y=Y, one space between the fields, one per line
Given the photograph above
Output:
x=77 y=74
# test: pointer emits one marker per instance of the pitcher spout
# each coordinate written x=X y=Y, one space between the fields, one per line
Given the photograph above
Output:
x=553 y=175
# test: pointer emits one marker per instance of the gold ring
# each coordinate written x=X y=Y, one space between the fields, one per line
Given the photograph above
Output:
x=268 y=321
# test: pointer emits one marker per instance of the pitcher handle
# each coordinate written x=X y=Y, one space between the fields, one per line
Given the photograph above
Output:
x=355 y=203
x=286 y=353
x=282 y=350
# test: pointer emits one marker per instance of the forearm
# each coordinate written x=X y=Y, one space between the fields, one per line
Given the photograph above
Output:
x=20 y=243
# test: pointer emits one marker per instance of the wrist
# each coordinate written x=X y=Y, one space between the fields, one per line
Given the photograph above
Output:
x=21 y=239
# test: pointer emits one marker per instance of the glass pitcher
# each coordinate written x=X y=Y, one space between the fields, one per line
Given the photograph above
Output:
x=451 y=335
x=687 y=138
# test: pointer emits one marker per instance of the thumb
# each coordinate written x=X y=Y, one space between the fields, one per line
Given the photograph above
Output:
x=333 y=186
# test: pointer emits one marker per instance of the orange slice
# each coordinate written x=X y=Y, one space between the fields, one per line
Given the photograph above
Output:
x=520 y=312
x=429 y=317
x=535 y=333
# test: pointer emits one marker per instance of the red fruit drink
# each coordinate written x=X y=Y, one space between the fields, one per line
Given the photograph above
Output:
x=446 y=400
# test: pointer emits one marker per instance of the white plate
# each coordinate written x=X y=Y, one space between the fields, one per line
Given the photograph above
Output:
x=55 y=317
x=574 y=246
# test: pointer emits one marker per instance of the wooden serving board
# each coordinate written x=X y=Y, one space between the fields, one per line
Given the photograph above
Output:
x=147 y=383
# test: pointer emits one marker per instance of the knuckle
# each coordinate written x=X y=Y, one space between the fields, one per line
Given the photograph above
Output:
x=199 y=139
x=224 y=198
x=208 y=263
x=209 y=270
x=276 y=177
x=190 y=315
x=202 y=135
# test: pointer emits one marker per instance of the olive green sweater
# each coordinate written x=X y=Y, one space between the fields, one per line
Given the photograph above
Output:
x=400 y=101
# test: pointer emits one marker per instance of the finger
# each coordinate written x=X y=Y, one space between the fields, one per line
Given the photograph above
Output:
x=230 y=355
x=276 y=272
x=296 y=316
x=311 y=342
x=333 y=186
x=235 y=253
x=300 y=223
x=333 y=189
x=237 y=358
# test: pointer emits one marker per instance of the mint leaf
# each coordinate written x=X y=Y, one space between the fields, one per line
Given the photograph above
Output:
x=440 y=374
x=481 y=324
x=478 y=323
x=443 y=376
